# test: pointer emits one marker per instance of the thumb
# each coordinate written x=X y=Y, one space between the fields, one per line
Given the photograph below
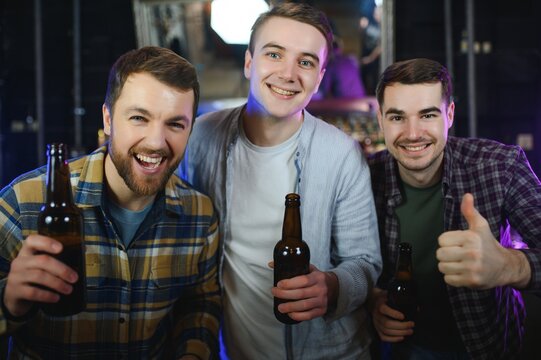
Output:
x=470 y=213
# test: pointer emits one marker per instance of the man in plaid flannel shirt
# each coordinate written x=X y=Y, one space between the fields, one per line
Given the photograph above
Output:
x=457 y=201
x=151 y=240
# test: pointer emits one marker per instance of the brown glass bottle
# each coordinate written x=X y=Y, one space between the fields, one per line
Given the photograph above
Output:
x=291 y=254
x=402 y=294
x=62 y=220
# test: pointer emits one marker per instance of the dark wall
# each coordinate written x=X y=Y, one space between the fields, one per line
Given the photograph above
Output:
x=508 y=76
x=107 y=30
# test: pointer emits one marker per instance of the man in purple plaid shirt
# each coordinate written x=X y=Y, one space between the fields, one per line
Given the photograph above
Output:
x=457 y=201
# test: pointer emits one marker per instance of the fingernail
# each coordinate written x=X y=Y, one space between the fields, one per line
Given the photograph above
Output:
x=56 y=247
x=73 y=277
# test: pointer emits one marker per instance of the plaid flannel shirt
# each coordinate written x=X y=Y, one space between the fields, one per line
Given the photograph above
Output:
x=508 y=194
x=159 y=298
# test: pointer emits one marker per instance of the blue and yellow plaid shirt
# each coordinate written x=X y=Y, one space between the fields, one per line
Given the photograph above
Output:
x=159 y=298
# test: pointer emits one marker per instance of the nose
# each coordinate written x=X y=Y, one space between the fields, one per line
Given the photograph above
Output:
x=287 y=70
x=156 y=137
x=413 y=130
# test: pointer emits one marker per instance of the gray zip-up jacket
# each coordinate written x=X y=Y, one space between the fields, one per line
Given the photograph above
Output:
x=338 y=220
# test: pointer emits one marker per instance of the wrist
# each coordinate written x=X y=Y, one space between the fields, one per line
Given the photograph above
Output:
x=521 y=273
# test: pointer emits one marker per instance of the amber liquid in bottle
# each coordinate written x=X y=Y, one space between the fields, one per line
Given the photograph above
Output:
x=402 y=294
x=291 y=253
x=62 y=220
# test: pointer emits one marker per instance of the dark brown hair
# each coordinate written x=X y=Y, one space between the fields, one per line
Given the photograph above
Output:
x=416 y=71
x=163 y=64
x=300 y=12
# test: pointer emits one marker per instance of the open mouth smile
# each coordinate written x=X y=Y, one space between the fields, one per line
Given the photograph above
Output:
x=415 y=148
x=149 y=162
x=281 y=91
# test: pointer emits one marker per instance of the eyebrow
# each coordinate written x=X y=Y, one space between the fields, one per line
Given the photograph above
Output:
x=395 y=111
x=147 y=113
x=280 y=47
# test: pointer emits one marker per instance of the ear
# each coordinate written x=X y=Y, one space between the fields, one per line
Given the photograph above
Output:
x=247 y=63
x=106 y=120
x=380 y=118
x=450 y=114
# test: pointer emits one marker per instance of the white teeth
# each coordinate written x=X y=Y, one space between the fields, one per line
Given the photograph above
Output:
x=154 y=161
x=282 y=91
x=415 y=148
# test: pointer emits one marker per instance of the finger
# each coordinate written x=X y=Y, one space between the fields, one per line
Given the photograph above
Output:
x=296 y=282
x=37 y=294
x=307 y=315
x=271 y=264
x=47 y=264
x=38 y=243
x=470 y=213
x=451 y=268
x=451 y=238
x=391 y=313
x=302 y=305
x=297 y=293
x=450 y=254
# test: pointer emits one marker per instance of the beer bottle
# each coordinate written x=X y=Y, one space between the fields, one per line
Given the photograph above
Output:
x=61 y=219
x=402 y=294
x=291 y=253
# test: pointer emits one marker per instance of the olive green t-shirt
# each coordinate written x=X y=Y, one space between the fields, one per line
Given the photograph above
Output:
x=421 y=223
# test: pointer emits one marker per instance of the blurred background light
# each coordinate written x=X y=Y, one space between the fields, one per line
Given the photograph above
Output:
x=233 y=19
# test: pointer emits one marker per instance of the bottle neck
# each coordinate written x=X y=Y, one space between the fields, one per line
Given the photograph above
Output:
x=58 y=181
x=403 y=267
x=292 y=223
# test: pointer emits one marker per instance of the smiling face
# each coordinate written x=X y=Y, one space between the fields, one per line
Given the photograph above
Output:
x=285 y=68
x=415 y=123
x=148 y=135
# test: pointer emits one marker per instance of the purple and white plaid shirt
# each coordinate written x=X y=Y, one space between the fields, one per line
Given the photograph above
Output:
x=508 y=194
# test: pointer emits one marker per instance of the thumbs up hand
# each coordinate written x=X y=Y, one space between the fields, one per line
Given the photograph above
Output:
x=474 y=258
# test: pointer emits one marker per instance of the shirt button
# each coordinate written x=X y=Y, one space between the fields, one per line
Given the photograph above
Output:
x=121 y=320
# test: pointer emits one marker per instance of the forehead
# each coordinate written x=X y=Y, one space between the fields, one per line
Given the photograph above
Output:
x=412 y=97
x=291 y=34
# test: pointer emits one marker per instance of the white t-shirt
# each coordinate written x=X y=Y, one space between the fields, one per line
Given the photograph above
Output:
x=262 y=177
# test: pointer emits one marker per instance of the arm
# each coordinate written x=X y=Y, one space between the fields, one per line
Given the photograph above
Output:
x=197 y=314
x=24 y=265
x=354 y=249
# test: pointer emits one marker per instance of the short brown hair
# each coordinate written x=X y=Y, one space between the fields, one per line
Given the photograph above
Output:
x=416 y=71
x=300 y=12
x=163 y=64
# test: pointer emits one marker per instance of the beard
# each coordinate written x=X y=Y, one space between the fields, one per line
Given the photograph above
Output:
x=142 y=186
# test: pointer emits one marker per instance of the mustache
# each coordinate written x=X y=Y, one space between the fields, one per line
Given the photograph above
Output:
x=148 y=151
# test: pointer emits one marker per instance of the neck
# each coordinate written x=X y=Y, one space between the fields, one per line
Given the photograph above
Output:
x=120 y=193
x=421 y=178
x=266 y=130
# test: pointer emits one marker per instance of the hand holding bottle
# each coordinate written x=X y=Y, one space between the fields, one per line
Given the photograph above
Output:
x=389 y=323
x=309 y=295
x=33 y=272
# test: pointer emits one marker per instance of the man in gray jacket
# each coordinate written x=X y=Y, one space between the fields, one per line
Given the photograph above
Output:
x=247 y=159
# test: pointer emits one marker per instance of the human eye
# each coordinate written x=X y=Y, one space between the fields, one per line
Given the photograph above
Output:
x=137 y=118
x=307 y=63
x=395 y=118
x=428 y=116
x=273 y=55
x=177 y=125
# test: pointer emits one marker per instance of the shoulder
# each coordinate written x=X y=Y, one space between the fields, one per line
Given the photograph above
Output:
x=327 y=136
x=481 y=151
x=27 y=188
x=185 y=198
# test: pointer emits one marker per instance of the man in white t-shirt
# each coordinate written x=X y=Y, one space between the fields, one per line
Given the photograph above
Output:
x=247 y=159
